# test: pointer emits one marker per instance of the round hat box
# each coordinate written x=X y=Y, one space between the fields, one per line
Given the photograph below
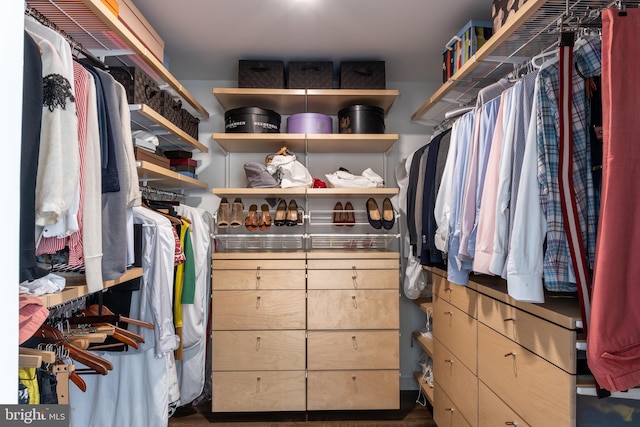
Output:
x=309 y=123
x=361 y=119
x=251 y=120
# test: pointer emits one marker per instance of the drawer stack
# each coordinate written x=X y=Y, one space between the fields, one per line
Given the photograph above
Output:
x=258 y=334
x=352 y=315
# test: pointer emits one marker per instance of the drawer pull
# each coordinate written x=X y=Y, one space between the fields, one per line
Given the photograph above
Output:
x=448 y=361
x=450 y=409
x=258 y=379
x=355 y=342
x=354 y=276
x=258 y=277
x=258 y=302
x=448 y=313
x=511 y=423
x=510 y=319
x=513 y=353
x=448 y=289
x=257 y=343
x=355 y=303
x=355 y=384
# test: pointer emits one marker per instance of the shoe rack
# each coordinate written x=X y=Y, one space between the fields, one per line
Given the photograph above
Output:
x=319 y=226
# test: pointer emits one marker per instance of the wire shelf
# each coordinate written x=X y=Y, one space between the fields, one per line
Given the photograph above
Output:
x=258 y=242
x=352 y=241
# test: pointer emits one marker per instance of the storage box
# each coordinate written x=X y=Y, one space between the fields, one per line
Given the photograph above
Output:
x=178 y=154
x=310 y=75
x=261 y=74
x=183 y=168
x=139 y=87
x=464 y=45
x=309 y=123
x=133 y=19
x=170 y=108
x=145 y=155
x=189 y=124
x=251 y=120
x=366 y=119
x=502 y=10
x=189 y=162
x=362 y=75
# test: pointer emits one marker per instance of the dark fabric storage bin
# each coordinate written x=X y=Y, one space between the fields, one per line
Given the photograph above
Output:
x=261 y=74
x=310 y=75
x=171 y=109
x=139 y=87
x=251 y=120
x=189 y=123
x=362 y=75
x=361 y=119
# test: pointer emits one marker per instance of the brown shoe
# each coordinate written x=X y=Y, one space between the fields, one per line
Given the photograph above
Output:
x=224 y=212
x=349 y=216
x=237 y=214
x=251 y=221
x=338 y=214
x=264 y=222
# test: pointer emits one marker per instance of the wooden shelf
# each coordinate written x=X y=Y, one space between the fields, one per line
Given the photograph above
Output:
x=586 y=386
x=260 y=142
x=169 y=135
x=308 y=192
x=260 y=192
x=426 y=343
x=346 y=192
x=424 y=303
x=159 y=177
x=292 y=101
x=93 y=24
x=350 y=143
x=76 y=288
x=428 y=391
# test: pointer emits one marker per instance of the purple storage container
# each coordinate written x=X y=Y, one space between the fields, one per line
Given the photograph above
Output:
x=309 y=123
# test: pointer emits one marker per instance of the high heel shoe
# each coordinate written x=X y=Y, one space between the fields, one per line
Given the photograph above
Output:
x=388 y=216
x=251 y=221
x=373 y=214
x=349 y=216
x=224 y=212
x=281 y=214
x=237 y=214
x=292 y=214
x=338 y=214
x=264 y=222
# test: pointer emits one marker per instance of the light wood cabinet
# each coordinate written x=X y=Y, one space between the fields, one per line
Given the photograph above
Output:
x=445 y=412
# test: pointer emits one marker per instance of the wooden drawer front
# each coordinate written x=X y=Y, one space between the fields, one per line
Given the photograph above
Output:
x=458 y=382
x=347 y=390
x=457 y=331
x=494 y=412
x=546 y=339
x=259 y=264
x=462 y=297
x=525 y=378
x=354 y=264
x=258 y=391
x=353 y=350
x=445 y=413
x=258 y=350
x=247 y=310
x=258 y=279
x=353 y=279
x=353 y=309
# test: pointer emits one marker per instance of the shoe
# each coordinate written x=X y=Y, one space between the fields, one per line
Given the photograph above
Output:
x=373 y=214
x=224 y=212
x=338 y=214
x=292 y=214
x=281 y=214
x=349 y=216
x=251 y=221
x=237 y=214
x=388 y=215
x=264 y=222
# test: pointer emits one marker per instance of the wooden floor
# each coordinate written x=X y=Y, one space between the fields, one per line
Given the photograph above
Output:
x=410 y=414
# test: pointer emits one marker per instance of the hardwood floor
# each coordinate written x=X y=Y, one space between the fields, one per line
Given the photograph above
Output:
x=410 y=414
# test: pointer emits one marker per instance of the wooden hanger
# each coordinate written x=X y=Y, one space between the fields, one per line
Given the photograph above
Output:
x=105 y=310
x=121 y=334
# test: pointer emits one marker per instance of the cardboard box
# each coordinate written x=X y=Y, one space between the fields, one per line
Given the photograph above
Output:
x=130 y=16
x=147 y=156
x=502 y=10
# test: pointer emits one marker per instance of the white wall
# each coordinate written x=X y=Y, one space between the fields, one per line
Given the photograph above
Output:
x=212 y=169
x=11 y=40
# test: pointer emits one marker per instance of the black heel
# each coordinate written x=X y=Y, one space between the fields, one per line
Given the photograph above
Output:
x=281 y=214
x=292 y=214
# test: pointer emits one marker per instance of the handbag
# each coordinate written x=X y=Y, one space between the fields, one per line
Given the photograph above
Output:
x=292 y=173
x=258 y=176
x=345 y=179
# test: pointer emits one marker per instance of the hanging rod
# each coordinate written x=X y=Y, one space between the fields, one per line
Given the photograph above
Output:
x=161 y=195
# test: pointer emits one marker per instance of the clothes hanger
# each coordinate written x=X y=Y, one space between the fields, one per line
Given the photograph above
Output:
x=121 y=334
x=105 y=310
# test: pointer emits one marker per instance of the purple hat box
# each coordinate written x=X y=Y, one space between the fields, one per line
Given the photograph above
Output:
x=309 y=123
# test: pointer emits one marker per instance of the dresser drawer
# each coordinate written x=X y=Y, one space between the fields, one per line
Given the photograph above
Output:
x=457 y=331
x=354 y=264
x=258 y=391
x=462 y=297
x=353 y=389
x=353 y=279
x=494 y=412
x=354 y=309
x=259 y=264
x=445 y=413
x=457 y=381
x=546 y=339
x=353 y=350
x=247 y=310
x=257 y=279
x=521 y=377
x=258 y=350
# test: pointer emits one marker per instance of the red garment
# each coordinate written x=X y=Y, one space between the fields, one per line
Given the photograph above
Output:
x=32 y=316
x=613 y=341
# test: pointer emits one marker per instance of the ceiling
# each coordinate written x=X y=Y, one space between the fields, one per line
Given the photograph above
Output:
x=204 y=39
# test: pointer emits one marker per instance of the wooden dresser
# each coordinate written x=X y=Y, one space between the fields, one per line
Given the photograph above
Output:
x=498 y=361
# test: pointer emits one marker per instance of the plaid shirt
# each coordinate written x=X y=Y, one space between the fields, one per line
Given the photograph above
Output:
x=558 y=273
